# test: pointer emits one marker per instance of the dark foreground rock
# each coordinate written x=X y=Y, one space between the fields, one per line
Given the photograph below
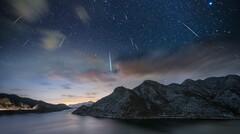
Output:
x=212 y=98
x=13 y=104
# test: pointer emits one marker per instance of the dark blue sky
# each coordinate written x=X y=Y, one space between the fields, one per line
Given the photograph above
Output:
x=58 y=50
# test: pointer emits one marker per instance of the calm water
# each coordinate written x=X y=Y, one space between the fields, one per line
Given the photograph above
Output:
x=66 y=123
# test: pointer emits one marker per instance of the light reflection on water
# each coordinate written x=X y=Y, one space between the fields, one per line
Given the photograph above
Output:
x=66 y=123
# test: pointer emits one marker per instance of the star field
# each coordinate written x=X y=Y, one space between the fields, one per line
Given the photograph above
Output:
x=92 y=46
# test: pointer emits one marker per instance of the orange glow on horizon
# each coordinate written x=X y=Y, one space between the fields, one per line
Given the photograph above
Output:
x=69 y=102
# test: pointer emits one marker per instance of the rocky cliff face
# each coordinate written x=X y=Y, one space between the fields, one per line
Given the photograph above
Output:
x=13 y=104
x=212 y=98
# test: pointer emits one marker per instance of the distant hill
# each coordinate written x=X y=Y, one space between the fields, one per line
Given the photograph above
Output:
x=212 y=98
x=13 y=104
x=89 y=103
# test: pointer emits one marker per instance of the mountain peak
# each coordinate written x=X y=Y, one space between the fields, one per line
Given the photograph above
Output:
x=150 y=83
x=120 y=89
x=188 y=81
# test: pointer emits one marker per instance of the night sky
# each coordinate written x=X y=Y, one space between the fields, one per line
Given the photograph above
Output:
x=70 y=51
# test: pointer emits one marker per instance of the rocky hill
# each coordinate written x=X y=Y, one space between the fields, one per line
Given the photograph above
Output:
x=212 y=98
x=13 y=104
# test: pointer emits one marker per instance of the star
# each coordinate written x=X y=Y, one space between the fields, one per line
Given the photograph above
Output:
x=210 y=3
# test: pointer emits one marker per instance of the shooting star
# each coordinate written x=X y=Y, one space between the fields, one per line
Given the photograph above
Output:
x=61 y=42
x=110 y=62
x=131 y=39
x=17 y=20
x=136 y=47
x=25 y=43
x=190 y=29
x=126 y=17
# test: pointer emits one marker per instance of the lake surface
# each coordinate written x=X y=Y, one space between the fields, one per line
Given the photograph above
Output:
x=66 y=123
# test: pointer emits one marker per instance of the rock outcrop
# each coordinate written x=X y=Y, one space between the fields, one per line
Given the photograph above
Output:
x=212 y=98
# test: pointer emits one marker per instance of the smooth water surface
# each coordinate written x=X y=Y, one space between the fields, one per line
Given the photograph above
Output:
x=66 y=123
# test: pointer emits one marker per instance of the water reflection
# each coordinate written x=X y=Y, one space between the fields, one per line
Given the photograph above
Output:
x=64 y=122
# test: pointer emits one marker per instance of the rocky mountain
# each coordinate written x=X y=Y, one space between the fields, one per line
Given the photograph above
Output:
x=13 y=104
x=88 y=104
x=212 y=98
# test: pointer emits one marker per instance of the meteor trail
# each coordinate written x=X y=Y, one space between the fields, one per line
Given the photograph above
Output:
x=136 y=47
x=61 y=42
x=25 y=43
x=131 y=41
x=190 y=29
x=110 y=62
x=17 y=19
x=126 y=17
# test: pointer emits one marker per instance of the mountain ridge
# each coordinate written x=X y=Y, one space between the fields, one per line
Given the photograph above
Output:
x=211 y=98
x=13 y=104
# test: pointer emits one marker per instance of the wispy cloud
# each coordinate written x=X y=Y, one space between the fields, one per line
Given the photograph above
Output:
x=201 y=60
x=87 y=96
x=51 y=75
x=94 y=76
x=71 y=96
x=66 y=86
x=91 y=93
x=30 y=10
x=51 y=40
x=16 y=89
x=83 y=14
x=45 y=83
x=82 y=77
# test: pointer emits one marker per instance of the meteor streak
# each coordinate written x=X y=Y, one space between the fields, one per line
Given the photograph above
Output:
x=126 y=17
x=190 y=29
x=17 y=19
x=25 y=43
x=131 y=41
x=110 y=62
x=61 y=42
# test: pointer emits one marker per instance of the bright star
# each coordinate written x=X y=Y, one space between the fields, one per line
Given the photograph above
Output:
x=210 y=3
